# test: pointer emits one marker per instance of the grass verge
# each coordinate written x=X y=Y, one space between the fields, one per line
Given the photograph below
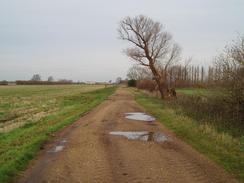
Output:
x=200 y=91
x=224 y=149
x=19 y=146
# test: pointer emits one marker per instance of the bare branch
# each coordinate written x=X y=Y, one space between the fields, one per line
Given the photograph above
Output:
x=152 y=45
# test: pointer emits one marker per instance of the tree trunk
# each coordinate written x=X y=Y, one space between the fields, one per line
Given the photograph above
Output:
x=157 y=76
x=157 y=79
x=161 y=90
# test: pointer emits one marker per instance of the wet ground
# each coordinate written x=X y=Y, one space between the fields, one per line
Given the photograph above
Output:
x=59 y=146
x=144 y=136
x=106 y=147
x=140 y=116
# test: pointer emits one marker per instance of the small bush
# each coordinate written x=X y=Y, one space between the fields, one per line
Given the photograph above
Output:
x=147 y=84
x=131 y=83
x=218 y=110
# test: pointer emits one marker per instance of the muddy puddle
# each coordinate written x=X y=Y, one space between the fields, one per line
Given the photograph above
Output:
x=142 y=135
x=140 y=116
x=59 y=146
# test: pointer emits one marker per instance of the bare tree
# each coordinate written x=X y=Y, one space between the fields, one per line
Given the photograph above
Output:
x=152 y=46
x=231 y=68
x=137 y=72
x=36 y=77
x=231 y=62
x=50 y=79
x=118 y=80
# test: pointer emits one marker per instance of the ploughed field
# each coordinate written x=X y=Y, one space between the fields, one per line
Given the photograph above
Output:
x=20 y=105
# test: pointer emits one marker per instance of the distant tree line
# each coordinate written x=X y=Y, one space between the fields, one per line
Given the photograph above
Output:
x=179 y=76
x=4 y=82
x=21 y=82
x=36 y=80
x=195 y=76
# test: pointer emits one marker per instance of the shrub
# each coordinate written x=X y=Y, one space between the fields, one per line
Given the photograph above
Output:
x=217 y=110
x=131 y=83
x=146 y=84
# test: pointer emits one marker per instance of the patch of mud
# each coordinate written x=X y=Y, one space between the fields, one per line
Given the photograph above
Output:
x=140 y=116
x=142 y=135
x=59 y=146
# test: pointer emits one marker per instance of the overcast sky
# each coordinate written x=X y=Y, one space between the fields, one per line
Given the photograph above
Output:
x=77 y=39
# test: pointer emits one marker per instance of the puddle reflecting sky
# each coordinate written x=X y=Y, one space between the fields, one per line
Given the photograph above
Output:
x=59 y=146
x=139 y=116
x=142 y=135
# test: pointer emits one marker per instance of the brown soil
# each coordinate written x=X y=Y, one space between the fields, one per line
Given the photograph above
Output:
x=92 y=155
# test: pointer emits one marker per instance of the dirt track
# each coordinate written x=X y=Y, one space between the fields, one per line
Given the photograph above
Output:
x=92 y=155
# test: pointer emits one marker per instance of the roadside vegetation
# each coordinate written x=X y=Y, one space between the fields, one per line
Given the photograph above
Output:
x=203 y=105
x=214 y=94
x=211 y=106
x=199 y=91
x=219 y=145
x=19 y=146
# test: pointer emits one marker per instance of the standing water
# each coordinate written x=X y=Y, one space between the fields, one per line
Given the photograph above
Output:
x=142 y=135
x=139 y=116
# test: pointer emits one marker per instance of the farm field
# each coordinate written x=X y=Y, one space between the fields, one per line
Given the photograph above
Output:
x=20 y=105
x=36 y=112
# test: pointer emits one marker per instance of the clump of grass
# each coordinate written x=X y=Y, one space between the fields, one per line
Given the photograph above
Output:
x=19 y=146
x=222 y=147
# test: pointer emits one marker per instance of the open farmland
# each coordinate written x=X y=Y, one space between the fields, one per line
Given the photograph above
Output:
x=58 y=106
x=121 y=92
x=20 y=105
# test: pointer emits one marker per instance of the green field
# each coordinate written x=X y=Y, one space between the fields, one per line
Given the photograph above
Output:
x=40 y=111
x=198 y=91
x=221 y=147
x=29 y=104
